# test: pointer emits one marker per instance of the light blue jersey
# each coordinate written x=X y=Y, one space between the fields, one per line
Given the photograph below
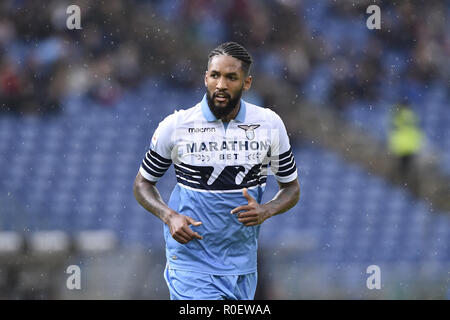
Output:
x=213 y=164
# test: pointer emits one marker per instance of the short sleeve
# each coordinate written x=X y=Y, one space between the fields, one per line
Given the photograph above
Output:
x=158 y=158
x=282 y=162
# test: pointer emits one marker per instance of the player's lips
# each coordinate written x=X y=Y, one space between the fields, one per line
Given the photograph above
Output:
x=221 y=97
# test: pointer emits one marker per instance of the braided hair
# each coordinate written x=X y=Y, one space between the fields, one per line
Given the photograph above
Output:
x=234 y=50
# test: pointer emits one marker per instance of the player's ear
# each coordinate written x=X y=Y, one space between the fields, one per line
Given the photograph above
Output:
x=247 y=82
x=206 y=77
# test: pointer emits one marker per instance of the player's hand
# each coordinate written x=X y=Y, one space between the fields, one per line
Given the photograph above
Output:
x=180 y=230
x=252 y=213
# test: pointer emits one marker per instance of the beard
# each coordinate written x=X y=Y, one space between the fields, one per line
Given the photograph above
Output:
x=218 y=111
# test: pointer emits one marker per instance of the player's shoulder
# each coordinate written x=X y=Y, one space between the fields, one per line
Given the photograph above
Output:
x=259 y=113
x=193 y=113
x=182 y=115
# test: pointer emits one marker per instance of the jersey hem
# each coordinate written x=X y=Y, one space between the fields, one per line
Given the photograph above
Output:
x=232 y=273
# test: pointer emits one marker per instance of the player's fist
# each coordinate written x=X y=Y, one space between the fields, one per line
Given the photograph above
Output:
x=179 y=228
x=252 y=213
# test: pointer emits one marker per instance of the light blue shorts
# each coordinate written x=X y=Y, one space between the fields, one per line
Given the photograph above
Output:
x=188 y=285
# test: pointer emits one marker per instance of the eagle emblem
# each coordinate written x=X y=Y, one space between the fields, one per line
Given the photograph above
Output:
x=249 y=130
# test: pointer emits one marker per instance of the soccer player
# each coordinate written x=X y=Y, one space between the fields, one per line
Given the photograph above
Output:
x=221 y=149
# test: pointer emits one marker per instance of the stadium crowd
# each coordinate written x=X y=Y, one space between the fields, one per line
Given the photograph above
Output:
x=41 y=61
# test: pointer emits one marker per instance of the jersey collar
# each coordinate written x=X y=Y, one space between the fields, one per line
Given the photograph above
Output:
x=240 y=117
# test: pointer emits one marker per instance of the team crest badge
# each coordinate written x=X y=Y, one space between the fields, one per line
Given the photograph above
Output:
x=249 y=130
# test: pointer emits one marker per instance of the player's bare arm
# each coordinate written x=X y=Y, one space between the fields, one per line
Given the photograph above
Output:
x=254 y=213
x=149 y=197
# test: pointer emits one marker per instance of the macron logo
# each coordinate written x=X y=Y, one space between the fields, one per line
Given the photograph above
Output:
x=202 y=130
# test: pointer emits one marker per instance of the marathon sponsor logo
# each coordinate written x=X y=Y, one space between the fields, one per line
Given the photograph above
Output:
x=201 y=130
x=227 y=146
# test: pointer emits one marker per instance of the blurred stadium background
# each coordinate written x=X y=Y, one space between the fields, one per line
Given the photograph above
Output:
x=78 y=108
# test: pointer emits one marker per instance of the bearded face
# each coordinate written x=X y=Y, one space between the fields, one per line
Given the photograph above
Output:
x=225 y=82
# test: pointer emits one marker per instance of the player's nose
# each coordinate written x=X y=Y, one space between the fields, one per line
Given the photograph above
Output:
x=221 y=84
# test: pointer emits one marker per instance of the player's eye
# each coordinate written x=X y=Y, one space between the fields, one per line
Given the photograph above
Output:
x=214 y=75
